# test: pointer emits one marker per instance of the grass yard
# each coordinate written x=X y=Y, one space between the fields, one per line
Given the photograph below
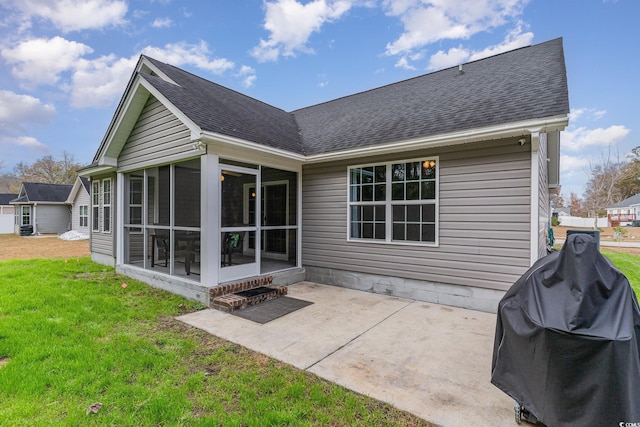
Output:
x=628 y=264
x=72 y=335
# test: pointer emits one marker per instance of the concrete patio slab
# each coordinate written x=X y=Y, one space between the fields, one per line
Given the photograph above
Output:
x=431 y=360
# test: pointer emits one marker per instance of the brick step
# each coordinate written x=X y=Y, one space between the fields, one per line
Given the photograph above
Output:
x=245 y=298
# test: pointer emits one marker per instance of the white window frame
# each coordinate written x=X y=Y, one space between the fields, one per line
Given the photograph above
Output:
x=106 y=203
x=26 y=211
x=95 y=205
x=83 y=215
x=388 y=203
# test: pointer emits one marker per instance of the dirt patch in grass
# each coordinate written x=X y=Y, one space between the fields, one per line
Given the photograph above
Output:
x=4 y=362
x=48 y=246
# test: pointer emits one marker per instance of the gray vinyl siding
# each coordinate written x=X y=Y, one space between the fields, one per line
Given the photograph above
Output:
x=157 y=134
x=544 y=204
x=101 y=242
x=82 y=199
x=484 y=219
x=52 y=218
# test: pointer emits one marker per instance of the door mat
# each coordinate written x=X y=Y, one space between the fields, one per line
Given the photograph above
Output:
x=270 y=310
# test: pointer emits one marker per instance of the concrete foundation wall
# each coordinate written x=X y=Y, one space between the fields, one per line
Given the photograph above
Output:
x=289 y=277
x=103 y=259
x=186 y=288
x=458 y=296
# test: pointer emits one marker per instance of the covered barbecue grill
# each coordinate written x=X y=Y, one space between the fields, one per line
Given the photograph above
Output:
x=567 y=345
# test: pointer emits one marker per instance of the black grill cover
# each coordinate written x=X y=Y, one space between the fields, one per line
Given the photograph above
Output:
x=567 y=344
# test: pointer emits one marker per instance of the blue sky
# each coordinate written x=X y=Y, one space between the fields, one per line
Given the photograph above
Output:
x=65 y=63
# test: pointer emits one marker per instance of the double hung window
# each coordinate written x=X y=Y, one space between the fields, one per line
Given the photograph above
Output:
x=100 y=205
x=83 y=215
x=26 y=215
x=95 y=205
x=394 y=202
x=106 y=205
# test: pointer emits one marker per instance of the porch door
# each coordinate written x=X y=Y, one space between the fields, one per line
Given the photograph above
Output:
x=237 y=226
x=274 y=218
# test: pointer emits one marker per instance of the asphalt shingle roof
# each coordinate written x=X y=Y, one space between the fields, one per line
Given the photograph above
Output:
x=216 y=108
x=86 y=184
x=630 y=201
x=5 y=198
x=523 y=84
x=40 y=192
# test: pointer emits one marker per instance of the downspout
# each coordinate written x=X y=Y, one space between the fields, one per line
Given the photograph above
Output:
x=535 y=192
x=35 y=220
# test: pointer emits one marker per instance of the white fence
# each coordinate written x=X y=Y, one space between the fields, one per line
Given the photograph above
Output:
x=574 y=221
x=6 y=224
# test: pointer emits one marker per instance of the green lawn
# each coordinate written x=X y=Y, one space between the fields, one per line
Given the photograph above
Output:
x=71 y=335
x=629 y=265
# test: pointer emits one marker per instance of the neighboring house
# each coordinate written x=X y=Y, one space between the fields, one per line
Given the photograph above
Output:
x=624 y=212
x=80 y=200
x=6 y=213
x=42 y=208
x=434 y=188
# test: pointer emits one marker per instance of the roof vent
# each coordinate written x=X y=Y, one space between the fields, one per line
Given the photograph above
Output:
x=460 y=69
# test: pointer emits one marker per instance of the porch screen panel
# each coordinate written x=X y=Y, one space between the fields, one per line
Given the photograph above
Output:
x=187 y=194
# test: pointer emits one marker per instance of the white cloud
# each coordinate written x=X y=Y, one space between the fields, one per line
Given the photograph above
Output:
x=98 y=82
x=28 y=142
x=403 y=63
x=291 y=23
x=40 y=61
x=179 y=54
x=16 y=113
x=248 y=76
x=514 y=40
x=570 y=165
x=454 y=56
x=16 y=109
x=577 y=114
x=581 y=138
x=458 y=55
x=75 y=15
x=426 y=21
x=162 y=23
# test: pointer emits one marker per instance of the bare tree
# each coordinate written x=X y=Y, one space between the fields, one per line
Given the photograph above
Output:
x=575 y=205
x=602 y=188
x=49 y=170
x=629 y=184
x=9 y=183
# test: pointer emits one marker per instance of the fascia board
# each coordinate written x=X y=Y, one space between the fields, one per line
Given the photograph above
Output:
x=74 y=190
x=133 y=97
x=148 y=64
x=521 y=128
x=96 y=170
x=220 y=142
x=133 y=104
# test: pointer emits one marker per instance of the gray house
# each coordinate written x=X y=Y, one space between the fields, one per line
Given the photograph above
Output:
x=435 y=188
x=42 y=208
